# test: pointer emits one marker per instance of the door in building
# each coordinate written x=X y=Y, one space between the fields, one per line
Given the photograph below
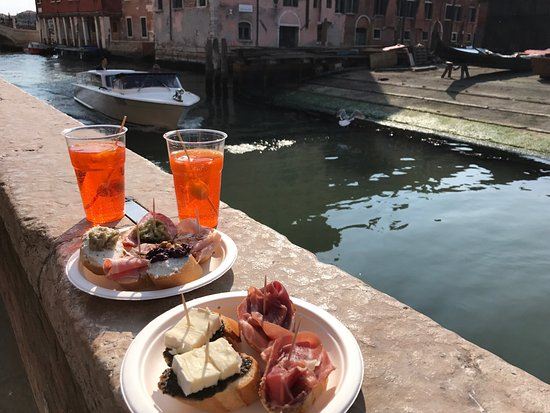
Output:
x=288 y=36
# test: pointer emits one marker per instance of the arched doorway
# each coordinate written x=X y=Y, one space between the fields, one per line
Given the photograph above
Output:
x=361 y=30
x=289 y=29
x=437 y=32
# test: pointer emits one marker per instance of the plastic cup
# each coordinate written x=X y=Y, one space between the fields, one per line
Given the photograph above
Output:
x=98 y=153
x=196 y=161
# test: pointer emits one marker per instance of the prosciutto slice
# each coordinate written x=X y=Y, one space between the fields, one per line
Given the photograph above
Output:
x=129 y=239
x=288 y=382
x=203 y=241
x=125 y=267
x=259 y=329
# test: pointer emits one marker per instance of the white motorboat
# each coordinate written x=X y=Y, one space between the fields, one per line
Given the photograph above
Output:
x=146 y=98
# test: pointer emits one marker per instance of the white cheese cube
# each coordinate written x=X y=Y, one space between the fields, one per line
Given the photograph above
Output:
x=224 y=358
x=194 y=372
x=183 y=338
x=200 y=318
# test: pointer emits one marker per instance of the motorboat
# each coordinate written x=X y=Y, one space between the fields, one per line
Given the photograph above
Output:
x=146 y=98
x=39 y=49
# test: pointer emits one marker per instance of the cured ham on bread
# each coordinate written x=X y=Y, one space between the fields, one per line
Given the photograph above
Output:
x=153 y=228
x=291 y=384
x=265 y=315
x=128 y=271
x=203 y=241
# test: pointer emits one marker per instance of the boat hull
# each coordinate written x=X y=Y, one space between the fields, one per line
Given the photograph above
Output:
x=138 y=112
x=471 y=57
x=541 y=66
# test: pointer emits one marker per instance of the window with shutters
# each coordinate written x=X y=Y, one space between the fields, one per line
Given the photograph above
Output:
x=129 y=28
x=428 y=9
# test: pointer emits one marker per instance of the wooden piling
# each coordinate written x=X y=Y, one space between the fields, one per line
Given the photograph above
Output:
x=209 y=69
x=224 y=67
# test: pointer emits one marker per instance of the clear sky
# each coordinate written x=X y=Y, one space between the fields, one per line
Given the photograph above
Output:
x=15 y=6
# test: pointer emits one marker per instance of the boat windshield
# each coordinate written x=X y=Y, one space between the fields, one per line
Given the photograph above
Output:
x=142 y=80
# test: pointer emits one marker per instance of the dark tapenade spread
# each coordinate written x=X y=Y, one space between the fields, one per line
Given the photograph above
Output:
x=166 y=250
x=168 y=383
x=169 y=357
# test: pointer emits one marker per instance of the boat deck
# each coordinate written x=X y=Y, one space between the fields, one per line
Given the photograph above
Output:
x=493 y=107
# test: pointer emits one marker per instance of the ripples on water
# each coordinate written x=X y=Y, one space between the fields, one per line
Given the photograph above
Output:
x=457 y=232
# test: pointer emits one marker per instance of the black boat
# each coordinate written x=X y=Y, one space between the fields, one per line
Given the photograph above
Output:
x=482 y=58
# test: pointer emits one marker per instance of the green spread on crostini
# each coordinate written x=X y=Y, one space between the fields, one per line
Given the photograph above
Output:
x=153 y=231
x=102 y=238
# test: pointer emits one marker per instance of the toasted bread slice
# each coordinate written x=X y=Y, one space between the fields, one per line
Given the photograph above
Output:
x=231 y=330
x=237 y=393
x=93 y=260
x=299 y=407
x=174 y=272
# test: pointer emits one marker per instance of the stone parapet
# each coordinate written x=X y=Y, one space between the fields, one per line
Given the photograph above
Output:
x=72 y=344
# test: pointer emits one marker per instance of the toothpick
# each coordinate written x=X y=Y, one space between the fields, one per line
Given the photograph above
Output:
x=122 y=124
x=207 y=346
x=265 y=294
x=294 y=339
x=183 y=145
x=185 y=308
x=138 y=239
x=197 y=218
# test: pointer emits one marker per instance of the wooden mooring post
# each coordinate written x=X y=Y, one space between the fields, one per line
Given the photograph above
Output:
x=209 y=69
x=217 y=68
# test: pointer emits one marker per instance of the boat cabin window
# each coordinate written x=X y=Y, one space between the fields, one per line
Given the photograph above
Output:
x=89 y=79
x=141 y=80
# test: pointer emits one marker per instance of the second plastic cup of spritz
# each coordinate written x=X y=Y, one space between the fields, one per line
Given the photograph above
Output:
x=196 y=161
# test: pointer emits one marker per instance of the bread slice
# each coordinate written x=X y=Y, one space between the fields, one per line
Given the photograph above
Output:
x=300 y=407
x=93 y=260
x=174 y=272
x=238 y=393
x=231 y=330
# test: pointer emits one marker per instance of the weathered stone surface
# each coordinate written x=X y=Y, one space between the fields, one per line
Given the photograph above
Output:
x=411 y=363
x=493 y=108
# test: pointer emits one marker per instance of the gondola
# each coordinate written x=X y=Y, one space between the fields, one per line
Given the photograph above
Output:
x=482 y=58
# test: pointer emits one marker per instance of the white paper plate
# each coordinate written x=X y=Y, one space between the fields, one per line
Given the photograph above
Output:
x=93 y=284
x=143 y=363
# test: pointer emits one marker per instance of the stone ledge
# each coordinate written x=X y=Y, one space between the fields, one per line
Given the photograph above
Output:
x=411 y=363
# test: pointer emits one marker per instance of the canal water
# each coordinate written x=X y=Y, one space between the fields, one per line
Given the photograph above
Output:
x=458 y=232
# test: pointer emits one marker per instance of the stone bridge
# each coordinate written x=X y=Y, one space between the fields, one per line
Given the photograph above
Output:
x=17 y=38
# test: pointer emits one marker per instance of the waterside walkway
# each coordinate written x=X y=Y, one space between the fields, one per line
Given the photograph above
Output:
x=72 y=344
x=493 y=108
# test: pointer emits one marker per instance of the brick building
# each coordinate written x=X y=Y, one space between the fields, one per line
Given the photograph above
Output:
x=123 y=27
x=413 y=22
x=77 y=23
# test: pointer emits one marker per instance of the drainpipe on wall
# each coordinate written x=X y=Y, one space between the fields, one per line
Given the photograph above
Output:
x=257 y=21
x=170 y=18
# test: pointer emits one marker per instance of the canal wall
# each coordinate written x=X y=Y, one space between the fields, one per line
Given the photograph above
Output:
x=498 y=109
x=72 y=344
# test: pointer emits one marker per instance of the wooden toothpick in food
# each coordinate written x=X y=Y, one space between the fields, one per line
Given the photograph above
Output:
x=207 y=346
x=185 y=309
x=294 y=339
x=122 y=124
x=138 y=239
x=264 y=302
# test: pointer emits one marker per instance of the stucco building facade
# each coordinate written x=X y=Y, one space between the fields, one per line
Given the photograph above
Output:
x=182 y=27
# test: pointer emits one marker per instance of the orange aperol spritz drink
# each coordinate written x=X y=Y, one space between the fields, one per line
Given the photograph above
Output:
x=98 y=163
x=196 y=161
